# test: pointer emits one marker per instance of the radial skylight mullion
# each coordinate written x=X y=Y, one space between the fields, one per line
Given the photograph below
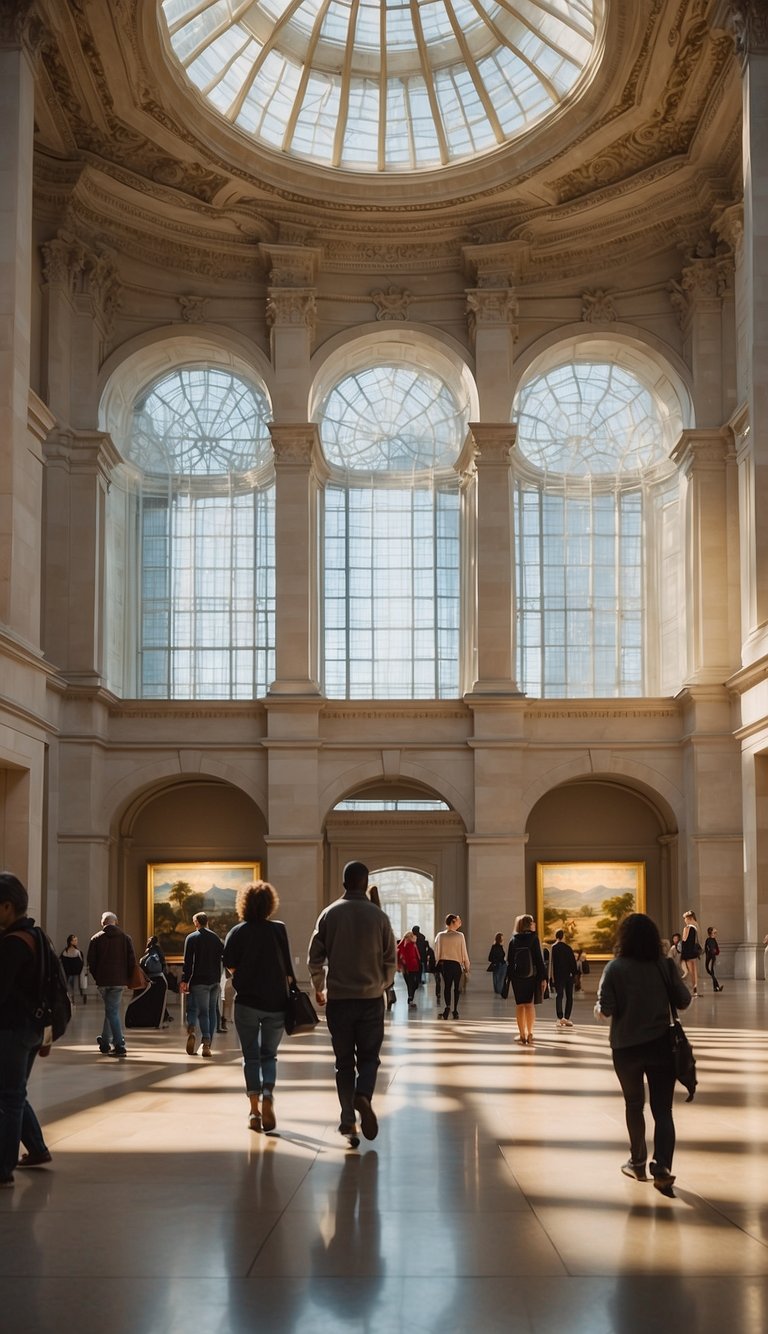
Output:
x=222 y=73
x=474 y=73
x=346 y=74
x=568 y=19
x=193 y=13
x=426 y=69
x=306 y=72
x=543 y=37
x=237 y=105
x=382 y=145
x=225 y=24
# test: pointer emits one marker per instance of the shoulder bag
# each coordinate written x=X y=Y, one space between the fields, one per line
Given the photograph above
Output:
x=682 y=1051
x=300 y=1014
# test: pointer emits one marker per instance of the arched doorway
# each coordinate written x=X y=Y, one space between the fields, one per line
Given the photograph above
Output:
x=408 y=898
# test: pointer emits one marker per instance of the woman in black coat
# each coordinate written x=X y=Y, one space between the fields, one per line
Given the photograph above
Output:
x=527 y=974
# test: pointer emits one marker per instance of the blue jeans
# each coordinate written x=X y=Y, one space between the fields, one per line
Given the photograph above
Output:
x=357 y=1032
x=260 y=1033
x=112 y=1028
x=499 y=973
x=205 y=998
x=18 y=1123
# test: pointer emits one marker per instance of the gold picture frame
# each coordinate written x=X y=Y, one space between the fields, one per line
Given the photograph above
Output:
x=587 y=900
x=178 y=890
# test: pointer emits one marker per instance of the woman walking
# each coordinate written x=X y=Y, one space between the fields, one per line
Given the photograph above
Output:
x=634 y=993
x=690 y=949
x=452 y=959
x=711 y=951
x=497 y=959
x=527 y=975
x=258 y=954
x=72 y=962
x=409 y=962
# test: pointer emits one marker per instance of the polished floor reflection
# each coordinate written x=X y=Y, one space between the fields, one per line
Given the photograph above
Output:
x=492 y=1196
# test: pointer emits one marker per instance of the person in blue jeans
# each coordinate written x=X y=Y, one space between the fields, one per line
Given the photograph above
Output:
x=258 y=955
x=111 y=963
x=201 y=979
x=20 y=1034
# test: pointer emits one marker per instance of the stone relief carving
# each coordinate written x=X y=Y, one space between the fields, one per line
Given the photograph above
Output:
x=597 y=306
x=392 y=303
x=729 y=226
x=70 y=263
x=193 y=308
x=291 y=306
x=747 y=23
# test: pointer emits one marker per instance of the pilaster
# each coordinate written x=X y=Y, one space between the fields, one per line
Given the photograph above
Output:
x=299 y=472
x=291 y=314
x=494 y=562
x=492 y=311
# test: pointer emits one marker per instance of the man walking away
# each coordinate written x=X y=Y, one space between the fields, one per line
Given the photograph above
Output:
x=564 y=969
x=201 y=978
x=111 y=963
x=352 y=963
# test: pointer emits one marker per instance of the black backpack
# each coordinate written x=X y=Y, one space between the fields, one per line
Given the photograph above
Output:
x=522 y=962
x=53 y=1009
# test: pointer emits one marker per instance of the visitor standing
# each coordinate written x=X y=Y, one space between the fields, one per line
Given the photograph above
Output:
x=527 y=975
x=690 y=949
x=497 y=962
x=711 y=951
x=453 y=961
x=563 y=965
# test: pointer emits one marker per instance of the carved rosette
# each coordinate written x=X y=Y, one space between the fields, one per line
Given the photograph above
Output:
x=193 y=308
x=291 y=307
x=597 y=307
x=391 y=303
x=492 y=308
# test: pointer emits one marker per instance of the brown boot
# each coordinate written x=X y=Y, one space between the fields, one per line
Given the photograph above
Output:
x=268 y=1118
x=254 y=1120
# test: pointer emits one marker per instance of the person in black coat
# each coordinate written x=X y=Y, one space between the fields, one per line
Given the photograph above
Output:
x=564 y=969
x=527 y=975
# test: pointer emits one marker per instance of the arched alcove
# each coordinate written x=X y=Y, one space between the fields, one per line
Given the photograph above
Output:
x=399 y=824
x=605 y=820
x=191 y=820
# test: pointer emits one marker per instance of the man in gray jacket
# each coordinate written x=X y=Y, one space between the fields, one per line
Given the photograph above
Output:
x=351 y=960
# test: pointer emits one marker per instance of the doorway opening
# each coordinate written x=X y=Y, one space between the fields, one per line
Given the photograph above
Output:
x=407 y=897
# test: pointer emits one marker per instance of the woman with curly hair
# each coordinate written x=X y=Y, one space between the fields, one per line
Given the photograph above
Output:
x=257 y=954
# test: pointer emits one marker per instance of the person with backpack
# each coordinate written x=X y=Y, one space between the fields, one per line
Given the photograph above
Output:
x=21 y=1030
x=527 y=974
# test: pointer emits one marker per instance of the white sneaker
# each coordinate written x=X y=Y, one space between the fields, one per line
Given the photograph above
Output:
x=567 y=1023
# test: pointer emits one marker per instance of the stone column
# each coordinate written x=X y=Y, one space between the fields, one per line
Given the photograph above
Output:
x=492 y=310
x=496 y=888
x=495 y=560
x=20 y=461
x=291 y=312
x=78 y=470
x=82 y=294
x=299 y=472
x=707 y=461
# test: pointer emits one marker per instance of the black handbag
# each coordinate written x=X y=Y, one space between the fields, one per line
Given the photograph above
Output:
x=300 y=1014
x=682 y=1051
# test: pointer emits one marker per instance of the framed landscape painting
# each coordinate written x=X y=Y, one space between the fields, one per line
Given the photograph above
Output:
x=178 y=890
x=587 y=900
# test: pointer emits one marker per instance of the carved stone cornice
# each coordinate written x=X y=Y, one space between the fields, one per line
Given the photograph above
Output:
x=392 y=303
x=498 y=264
x=291 y=265
x=597 y=306
x=291 y=307
x=703 y=451
x=492 y=308
x=83 y=452
x=494 y=442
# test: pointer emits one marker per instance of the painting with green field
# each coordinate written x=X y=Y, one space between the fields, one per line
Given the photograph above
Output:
x=587 y=900
x=178 y=890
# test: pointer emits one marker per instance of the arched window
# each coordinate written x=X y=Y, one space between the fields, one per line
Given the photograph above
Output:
x=201 y=465
x=597 y=530
x=391 y=435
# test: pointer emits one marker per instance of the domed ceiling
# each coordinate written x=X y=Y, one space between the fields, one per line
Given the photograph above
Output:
x=383 y=85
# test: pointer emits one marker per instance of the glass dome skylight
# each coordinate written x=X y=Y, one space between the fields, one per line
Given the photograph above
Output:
x=382 y=85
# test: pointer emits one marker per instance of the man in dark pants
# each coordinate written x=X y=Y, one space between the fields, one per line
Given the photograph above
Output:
x=563 y=968
x=21 y=1033
x=352 y=963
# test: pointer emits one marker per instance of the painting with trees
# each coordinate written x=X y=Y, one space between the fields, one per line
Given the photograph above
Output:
x=178 y=890
x=587 y=900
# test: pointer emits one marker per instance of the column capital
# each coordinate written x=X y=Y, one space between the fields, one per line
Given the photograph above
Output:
x=492 y=308
x=297 y=445
x=291 y=264
x=494 y=442
x=291 y=307
x=703 y=450
x=699 y=290
x=85 y=275
x=83 y=452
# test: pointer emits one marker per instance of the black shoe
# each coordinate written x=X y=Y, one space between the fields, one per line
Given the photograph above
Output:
x=104 y=1050
x=368 y=1122
x=34 y=1159
x=663 y=1180
x=635 y=1170
x=455 y=1014
x=117 y=1051
x=446 y=1012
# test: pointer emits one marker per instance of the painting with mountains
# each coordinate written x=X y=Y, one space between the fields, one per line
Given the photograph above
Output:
x=587 y=900
x=178 y=890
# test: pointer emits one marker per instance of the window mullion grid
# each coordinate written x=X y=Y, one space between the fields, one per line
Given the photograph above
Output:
x=436 y=609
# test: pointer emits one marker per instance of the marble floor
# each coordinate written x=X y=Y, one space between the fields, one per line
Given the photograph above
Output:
x=492 y=1196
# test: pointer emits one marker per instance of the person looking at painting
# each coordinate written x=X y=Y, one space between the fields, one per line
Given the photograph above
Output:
x=690 y=949
x=564 y=969
x=201 y=978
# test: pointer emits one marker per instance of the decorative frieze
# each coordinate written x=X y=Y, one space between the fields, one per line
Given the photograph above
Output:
x=392 y=303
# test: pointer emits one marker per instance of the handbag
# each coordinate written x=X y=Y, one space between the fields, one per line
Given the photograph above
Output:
x=138 y=979
x=682 y=1051
x=300 y=1014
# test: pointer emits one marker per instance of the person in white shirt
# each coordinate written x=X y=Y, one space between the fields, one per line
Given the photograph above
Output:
x=452 y=958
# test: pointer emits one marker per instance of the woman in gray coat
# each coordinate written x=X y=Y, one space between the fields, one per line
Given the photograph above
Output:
x=634 y=993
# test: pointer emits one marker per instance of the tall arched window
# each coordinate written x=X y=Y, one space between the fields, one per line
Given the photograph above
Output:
x=391 y=435
x=597 y=530
x=201 y=459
